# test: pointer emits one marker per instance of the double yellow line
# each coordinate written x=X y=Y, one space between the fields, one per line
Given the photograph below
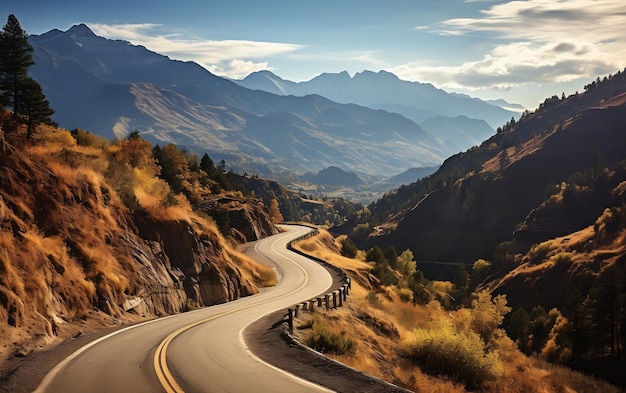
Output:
x=160 y=357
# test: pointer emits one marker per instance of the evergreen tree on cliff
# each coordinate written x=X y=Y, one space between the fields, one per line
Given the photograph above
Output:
x=17 y=89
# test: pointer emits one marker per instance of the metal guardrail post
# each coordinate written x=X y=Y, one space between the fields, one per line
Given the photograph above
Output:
x=290 y=320
x=338 y=296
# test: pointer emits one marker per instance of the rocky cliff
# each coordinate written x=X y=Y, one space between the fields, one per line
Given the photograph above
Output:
x=74 y=256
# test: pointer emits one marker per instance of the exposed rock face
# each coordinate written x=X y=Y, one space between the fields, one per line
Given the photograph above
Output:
x=248 y=219
x=205 y=279
x=71 y=253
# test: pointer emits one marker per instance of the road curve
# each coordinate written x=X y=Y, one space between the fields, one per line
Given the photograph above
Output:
x=202 y=350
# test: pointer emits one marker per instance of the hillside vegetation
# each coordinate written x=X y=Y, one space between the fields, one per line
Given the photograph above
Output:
x=95 y=233
x=476 y=199
x=536 y=213
x=429 y=345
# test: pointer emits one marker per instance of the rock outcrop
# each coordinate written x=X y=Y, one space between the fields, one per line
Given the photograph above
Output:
x=74 y=256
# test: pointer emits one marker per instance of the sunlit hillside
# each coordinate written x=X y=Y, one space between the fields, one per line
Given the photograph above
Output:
x=91 y=237
x=429 y=345
x=477 y=199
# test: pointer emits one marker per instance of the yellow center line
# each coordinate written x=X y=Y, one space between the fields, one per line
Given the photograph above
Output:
x=160 y=357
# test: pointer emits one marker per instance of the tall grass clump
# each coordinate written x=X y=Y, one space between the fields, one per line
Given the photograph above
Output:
x=325 y=339
x=466 y=346
x=460 y=355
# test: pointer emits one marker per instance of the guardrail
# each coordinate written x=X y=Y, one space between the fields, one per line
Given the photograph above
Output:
x=329 y=300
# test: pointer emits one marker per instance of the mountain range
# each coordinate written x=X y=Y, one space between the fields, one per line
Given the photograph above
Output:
x=111 y=88
x=474 y=120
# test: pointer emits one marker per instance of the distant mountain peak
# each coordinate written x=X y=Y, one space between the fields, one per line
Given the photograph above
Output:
x=379 y=74
x=263 y=74
x=81 y=30
x=343 y=75
x=335 y=176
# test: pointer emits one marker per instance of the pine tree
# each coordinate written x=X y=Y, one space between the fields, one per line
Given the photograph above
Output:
x=17 y=89
x=34 y=105
x=15 y=58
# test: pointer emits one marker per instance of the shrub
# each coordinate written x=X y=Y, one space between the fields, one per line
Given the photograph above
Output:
x=374 y=300
x=323 y=339
x=540 y=252
x=405 y=294
x=488 y=314
x=85 y=138
x=459 y=355
x=348 y=248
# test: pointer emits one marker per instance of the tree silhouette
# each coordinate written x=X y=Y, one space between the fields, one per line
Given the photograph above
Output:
x=34 y=105
x=17 y=89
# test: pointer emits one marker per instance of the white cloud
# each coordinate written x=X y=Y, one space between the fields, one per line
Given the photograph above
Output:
x=237 y=68
x=229 y=57
x=534 y=41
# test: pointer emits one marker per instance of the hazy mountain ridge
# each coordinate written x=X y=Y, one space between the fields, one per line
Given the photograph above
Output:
x=383 y=90
x=379 y=89
x=411 y=174
x=460 y=131
x=132 y=88
x=333 y=176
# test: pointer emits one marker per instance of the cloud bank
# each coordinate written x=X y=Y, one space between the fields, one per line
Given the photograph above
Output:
x=232 y=58
x=534 y=42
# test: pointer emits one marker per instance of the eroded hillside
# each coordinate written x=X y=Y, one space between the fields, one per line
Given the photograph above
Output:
x=536 y=213
x=476 y=199
x=87 y=241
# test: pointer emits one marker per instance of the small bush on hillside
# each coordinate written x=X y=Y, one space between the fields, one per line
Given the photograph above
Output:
x=324 y=339
x=85 y=138
x=348 y=248
x=459 y=355
x=466 y=345
x=540 y=252
x=121 y=177
x=374 y=300
x=405 y=294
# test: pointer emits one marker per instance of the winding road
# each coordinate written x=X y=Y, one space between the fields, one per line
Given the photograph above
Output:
x=202 y=350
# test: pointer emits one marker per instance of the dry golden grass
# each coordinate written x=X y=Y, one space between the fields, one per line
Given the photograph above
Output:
x=68 y=242
x=260 y=274
x=382 y=325
x=325 y=247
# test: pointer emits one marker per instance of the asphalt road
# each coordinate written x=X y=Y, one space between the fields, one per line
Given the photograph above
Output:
x=198 y=351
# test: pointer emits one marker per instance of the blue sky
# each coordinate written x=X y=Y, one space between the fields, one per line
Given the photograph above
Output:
x=522 y=51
